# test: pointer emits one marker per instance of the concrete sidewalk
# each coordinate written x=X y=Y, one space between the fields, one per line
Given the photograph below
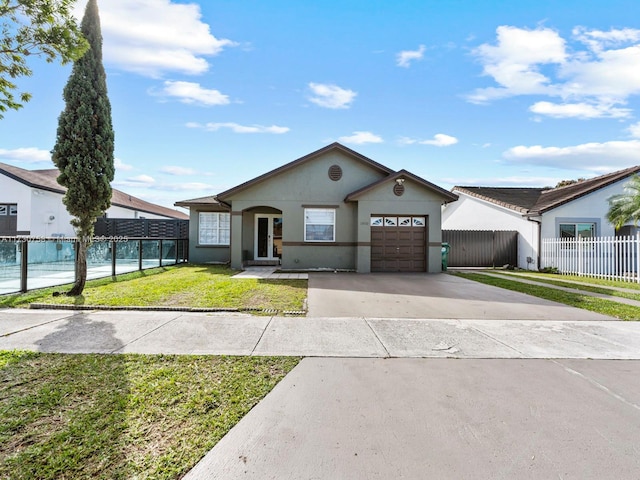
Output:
x=239 y=334
x=363 y=419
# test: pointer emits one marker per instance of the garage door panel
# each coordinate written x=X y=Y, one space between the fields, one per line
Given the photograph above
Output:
x=399 y=247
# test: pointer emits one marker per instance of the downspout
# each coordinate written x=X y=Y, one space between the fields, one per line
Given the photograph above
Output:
x=539 y=222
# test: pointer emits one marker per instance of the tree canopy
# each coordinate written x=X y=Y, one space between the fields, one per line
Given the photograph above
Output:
x=44 y=28
x=625 y=207
x=85 y=142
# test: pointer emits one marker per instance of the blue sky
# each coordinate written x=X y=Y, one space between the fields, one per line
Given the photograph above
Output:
x=208 y=94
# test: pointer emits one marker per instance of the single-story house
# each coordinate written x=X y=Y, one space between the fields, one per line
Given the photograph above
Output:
x=575 y=210
x=31 y=204
x=331 y=209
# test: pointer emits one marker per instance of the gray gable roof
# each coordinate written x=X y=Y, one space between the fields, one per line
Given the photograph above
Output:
x=535 y=201
x=47 y=180
x=334 y=146
x=447 y=196
x=209 y=201
x=519 y=199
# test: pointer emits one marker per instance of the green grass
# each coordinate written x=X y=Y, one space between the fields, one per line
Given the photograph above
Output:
x=203 y=286
x=122 y=416
x=594 y=288
x=594 y=304
x=575 y=278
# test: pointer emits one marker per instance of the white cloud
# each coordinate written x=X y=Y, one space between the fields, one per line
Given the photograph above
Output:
x=634 y=130
x=178 y=171
x=139 y=181
x=514 y=62
x=439 y=140
x=193 y=93
x=151 y=37
x=596 y=157
x=331 y=96
x=237 y=128
x=580 y=110
x=360 y=138
x=26 y=155
x=405 y=57
x=592 y=75
x=120 y=165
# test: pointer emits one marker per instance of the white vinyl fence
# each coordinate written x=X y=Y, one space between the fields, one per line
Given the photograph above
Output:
x=614 y=258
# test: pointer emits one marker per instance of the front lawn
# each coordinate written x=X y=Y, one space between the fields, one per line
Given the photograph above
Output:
x=122 y=416
x=200 y=286
x=587 y=302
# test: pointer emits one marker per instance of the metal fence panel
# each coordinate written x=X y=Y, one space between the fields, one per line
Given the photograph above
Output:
x=615 y=258
x=481 y=248
x=141 y=227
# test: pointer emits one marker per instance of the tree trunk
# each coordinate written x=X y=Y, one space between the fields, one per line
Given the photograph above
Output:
x=81 y=269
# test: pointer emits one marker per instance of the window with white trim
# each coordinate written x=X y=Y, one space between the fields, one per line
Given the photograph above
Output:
x=319 y=225
x=214 y=228
x=577 y=230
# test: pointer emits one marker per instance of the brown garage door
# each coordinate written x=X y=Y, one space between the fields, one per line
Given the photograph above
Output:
x=398 y=243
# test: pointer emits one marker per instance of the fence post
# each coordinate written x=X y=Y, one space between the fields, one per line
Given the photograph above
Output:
x=113 y=258
x=637 y=253
x=160 y=251
x=140 y=254
x=24 y=265
x=177 y=248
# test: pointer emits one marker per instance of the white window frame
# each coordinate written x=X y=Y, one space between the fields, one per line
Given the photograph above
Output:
x=218 y=232
x=332 y=223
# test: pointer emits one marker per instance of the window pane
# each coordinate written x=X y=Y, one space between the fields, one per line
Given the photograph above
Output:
x=586 y=230
x=567 y=230
x=314 y=215
x=213 y=228
x=319 y=233
x=319 y=224
x=376 y=221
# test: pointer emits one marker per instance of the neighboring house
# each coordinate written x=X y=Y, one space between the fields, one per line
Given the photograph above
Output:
x=31 y=204
x=576 y=210
x=331 y=209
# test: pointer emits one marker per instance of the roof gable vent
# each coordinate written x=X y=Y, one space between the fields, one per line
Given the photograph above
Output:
x=335 y=172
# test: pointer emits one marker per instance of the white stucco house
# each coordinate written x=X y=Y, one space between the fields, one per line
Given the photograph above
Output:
x=576 y=210
x=31 y=204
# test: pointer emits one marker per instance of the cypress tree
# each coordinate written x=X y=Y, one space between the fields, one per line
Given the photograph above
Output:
x=85 y=142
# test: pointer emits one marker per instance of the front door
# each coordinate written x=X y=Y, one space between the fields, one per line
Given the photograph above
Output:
x=268 y=237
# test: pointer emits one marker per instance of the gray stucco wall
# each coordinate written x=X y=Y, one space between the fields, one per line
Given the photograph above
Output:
x=290 y=192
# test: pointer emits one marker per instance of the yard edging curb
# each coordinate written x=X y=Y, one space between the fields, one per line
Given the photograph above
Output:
x=270 y=311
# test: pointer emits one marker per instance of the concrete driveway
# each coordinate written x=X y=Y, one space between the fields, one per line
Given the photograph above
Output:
x=436 y=296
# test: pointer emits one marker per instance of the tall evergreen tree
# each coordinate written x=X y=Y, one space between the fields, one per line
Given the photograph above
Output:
x=85 y=142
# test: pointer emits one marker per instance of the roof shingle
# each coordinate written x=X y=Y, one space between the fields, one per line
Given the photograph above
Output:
x=47 y=180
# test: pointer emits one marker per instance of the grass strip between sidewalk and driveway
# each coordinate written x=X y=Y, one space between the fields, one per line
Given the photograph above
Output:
x=586 y=302
x=122 y=416
x=196 y=286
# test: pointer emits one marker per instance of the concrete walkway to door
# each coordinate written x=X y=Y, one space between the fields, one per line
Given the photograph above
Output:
x=435 y=296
